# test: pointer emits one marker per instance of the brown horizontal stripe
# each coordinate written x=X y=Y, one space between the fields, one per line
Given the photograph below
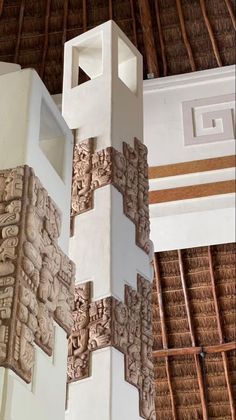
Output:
x=218 y=348
x=192 y=191
x=191 y=167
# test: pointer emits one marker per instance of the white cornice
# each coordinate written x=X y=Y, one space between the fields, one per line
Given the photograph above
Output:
x=187 y=79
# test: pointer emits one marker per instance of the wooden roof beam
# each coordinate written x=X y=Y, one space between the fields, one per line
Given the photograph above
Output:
x=183 y=351
x=149 y=43
x=192 y=335
x=21 y=18
x=210 y=32
x=163 y=52
x=65 y=16
x=1 y=7
x=185 y=36
x=133 y=22
x=85 y=23
x=160 y=302
x=110 y=10
x=164 y=331
x=46 y=30
x=221 y=335
x=231 y=12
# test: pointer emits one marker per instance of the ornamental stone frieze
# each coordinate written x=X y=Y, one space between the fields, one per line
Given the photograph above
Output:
x=126 y=326
x=127 y=171
x=36 y=277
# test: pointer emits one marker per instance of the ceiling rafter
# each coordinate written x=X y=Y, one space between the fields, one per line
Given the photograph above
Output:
x=193 y=340
x=185 y=36
x=133 y=22
x=221 y=335
x=160 y=33
x=46 y=37
x=231 y=12
x=18 y=39
x=149 y=43
x=197 y=289
x=164 y=332
x=211 y=33
x=1 y=7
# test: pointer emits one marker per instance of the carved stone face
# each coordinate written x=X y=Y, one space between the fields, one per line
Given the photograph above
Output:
x=14 y=206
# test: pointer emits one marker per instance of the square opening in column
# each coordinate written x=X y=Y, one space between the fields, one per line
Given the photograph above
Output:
x=87 y=60
x=52 y=139
x=127 y=66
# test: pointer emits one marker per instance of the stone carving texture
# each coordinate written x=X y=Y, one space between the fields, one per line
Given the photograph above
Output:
x=126 y=326
x=36 y=277
x=127 y=171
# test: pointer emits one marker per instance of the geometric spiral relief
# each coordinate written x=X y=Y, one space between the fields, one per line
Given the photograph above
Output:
x=127 y=171
x=126 y=326
x=36 y=277
x=209 y=120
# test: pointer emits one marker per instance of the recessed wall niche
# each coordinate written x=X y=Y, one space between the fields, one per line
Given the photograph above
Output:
x=52 y=139
x=127 y=66
x=87 y=60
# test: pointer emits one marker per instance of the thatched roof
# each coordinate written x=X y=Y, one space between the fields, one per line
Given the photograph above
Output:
x=194 y=333
x=174 y=36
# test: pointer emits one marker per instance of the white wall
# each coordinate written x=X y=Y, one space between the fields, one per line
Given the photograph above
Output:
x=163 y=114
x=44 y=398
x=175 y=109
x=105 y=248
x=106 y=394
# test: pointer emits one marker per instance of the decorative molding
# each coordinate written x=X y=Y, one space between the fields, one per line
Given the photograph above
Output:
x=209 y=120
x=126 y=326
x=36 y=277
x=189 y=79
x=192 y=191
x=183 y=168
x=127 y=172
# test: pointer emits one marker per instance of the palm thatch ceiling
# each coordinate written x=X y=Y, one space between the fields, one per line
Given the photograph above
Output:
x=194 y=333
x=174 y=36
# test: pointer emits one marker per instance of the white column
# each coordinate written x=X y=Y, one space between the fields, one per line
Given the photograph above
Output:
x=110 y=248
x=32 y=133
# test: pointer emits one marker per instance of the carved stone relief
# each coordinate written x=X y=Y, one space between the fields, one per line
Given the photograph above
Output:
x=36 y=277
x=82 y=178
x=126 y=326
x=127 y=171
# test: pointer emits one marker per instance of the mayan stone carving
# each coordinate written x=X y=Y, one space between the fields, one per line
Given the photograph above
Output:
x=127 y=171
x=126 y=326
x=36 y=277
x=82 y=178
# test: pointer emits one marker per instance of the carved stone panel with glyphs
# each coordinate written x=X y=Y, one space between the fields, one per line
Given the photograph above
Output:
x=36 y=277
x=127 y=171
x=126 y=326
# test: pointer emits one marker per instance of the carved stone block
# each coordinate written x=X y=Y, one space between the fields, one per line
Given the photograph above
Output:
x=82 y=178
x=127 y=171
x=36 y=277
x=78 y=351
x=126 y=326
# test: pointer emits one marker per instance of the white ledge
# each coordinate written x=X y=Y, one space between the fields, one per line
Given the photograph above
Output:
x=183 y=80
